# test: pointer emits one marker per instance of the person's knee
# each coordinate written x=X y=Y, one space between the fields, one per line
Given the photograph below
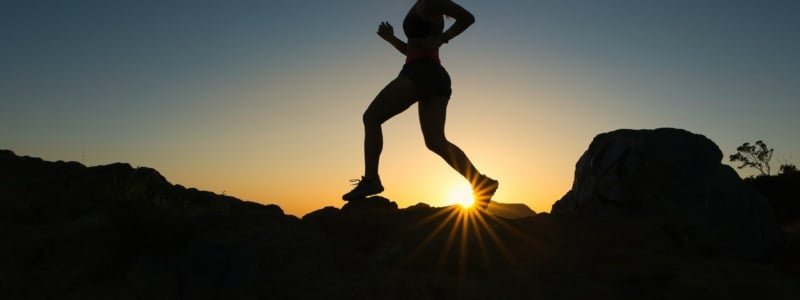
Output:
x=369 y=119
x=438 y=145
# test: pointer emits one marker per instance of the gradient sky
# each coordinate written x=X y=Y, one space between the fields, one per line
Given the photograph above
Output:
x=262 y=100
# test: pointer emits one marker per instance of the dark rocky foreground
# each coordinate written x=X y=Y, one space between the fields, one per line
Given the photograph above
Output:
x=117 y=232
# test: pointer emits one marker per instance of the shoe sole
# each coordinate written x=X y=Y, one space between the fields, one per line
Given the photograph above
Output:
x=346 y=198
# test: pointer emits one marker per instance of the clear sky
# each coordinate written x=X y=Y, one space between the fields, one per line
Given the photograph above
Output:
x=262 y=100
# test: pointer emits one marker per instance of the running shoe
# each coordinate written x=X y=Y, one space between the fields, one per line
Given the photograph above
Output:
x=364 y=187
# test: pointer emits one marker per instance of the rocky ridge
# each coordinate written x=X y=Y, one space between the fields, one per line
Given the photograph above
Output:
x=76 y=232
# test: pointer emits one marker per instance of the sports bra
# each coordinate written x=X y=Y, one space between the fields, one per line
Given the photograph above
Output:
x=416 y=27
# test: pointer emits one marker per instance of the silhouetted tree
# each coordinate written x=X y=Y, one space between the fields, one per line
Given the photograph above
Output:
x=756 y=156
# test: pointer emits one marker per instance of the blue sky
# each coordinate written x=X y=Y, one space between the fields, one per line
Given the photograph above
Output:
x=262 y=99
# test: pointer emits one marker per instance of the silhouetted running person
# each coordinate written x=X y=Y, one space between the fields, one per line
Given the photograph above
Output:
x=422 y=80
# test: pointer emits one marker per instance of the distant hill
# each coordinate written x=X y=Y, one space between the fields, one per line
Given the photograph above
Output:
x=510 y=210
x=118 y=232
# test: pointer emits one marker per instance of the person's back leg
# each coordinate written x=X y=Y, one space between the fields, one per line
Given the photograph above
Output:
x=393 y=99
x=432 y=116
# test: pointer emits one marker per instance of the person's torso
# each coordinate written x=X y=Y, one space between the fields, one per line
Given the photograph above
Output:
x=418 y=27
x=423 y=35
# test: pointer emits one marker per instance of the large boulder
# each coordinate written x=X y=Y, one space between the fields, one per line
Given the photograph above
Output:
x=675 y=178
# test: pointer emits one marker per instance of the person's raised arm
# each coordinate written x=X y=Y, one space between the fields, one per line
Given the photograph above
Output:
x=386 y=32
x=463 y=18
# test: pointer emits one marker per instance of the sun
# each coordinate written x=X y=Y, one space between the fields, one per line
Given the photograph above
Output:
x=461 y=195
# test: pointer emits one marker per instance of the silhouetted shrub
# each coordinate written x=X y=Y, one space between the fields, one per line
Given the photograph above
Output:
x=788 y=168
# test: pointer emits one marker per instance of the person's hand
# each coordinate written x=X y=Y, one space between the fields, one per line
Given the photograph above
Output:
x=385 y=30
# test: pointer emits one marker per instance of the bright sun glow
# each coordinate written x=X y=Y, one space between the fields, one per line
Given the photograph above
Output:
x=461 y=195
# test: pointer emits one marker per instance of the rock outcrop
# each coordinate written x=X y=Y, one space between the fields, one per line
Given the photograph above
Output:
x=117 y=232
x=782 y=191
x=674 y=178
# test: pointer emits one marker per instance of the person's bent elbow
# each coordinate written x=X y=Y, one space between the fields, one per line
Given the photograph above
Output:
x=468 y=19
